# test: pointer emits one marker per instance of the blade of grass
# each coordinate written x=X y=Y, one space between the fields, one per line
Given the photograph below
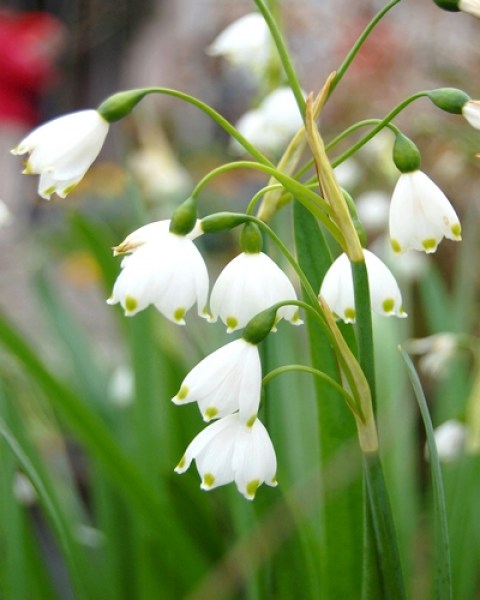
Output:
x=341 y=518
x=116 y=465
x=442 y=566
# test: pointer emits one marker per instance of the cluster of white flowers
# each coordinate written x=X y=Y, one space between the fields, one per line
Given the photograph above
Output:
x=164 y=268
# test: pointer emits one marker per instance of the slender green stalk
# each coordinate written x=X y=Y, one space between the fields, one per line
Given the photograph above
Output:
x=283 y=54
x=52 y=510
x=387 y=554
x=139 y=94
x=287 y=182
x=443 y=569
x=363 y=319
x=359 y=43
x=306 y=369
x=381 y=124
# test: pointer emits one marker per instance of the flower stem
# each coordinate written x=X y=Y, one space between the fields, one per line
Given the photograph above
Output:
x=283 y=54
x=359 y=43
x=381 y=124
x=363 y=318
x=312 y=201
x=312 y=371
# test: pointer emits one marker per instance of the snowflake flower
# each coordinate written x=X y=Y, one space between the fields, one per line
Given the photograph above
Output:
x=337 y=288
x=224 y=382
x=62 y=150
x=227 y=451
x=420 y=215
x=250 y=283
x=168 y=272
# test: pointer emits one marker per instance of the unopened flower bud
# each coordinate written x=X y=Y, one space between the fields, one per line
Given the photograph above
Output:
x=451 y=100
x=405 y=154
x=471 y=7
x=184 y=217
x=260 y=326
x=121 y=104
x=222 y=221
x=251 y=239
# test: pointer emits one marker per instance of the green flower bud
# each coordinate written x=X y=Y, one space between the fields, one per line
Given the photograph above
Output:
x=405 y=154
x=251 y=239
x=260 y=326
x=184 y=217
x=121 y=104
x=449 y=99
x=450 y=5
x=222 y=221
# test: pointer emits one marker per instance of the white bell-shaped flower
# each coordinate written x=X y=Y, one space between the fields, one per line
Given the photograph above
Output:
x=471 y=112
x=62 y=150
x=250 y=283
x=151 y=232
x=227 y=451
x=471 y=7
x=337 y=289
x=436 y=352
x=168 y=272
x=224 y=382
x=246 y=43
x=270 y=126
x=420 y=215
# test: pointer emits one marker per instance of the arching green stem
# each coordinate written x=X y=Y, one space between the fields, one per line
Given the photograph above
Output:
x=380 y=125
x=312 y=371
x=138 y=95
x=283 y=54
x=312 y=201
x=359 y=43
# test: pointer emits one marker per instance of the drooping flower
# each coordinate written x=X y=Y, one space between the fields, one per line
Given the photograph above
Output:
x=420 y=214
x=224 y=382
x=436 y=351
x=151 y=232
x=246 y=43
x=337 y=288
x=471 y=7
x=471 y=112
x=250 y=283
x=227 y=451
x=168 y=272
x=62 y=150
x=272 y=124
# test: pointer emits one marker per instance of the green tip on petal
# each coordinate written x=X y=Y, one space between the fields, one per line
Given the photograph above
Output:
x=181 y=463
x=182 y=393
x=179 y=315
x=395 y=244
x=430 y=245
x=349 y=314
x=388 y=305
x=70 y=188
x=49 y=191
x=456 y=231
x=208 y=480
x=231 y=323
x=252 y=487
x=210 y=413
x=130 y=304
x=251 y=421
